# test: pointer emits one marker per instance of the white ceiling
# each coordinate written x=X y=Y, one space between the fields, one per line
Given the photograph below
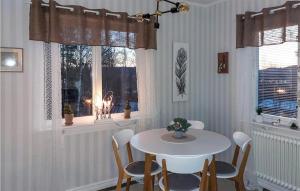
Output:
x=204 y=2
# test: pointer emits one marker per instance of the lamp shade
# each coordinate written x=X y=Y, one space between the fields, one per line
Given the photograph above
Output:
x=184 y=7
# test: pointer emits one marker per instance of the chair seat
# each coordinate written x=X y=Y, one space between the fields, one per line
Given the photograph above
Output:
x=182 y=182
x=225 y=170
x=137 y=168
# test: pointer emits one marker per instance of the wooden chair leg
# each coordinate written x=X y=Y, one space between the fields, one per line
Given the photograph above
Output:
x=165 y=175
x=208 y=184
x=199 y=174
x=236 y=186
x=153 y=180
x=241 y=185
x=147 y=175
x=213 y=177
x=158 y=176
x=119 y=184
x=128 y=184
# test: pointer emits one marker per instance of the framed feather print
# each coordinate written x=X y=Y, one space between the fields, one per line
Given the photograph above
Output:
x=180 y=71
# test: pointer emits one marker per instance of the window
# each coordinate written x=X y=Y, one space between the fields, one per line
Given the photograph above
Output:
x=117 y=75
x=277 y=79
x=76 y=78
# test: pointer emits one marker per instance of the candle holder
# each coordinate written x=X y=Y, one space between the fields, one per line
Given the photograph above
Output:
x=103 y=110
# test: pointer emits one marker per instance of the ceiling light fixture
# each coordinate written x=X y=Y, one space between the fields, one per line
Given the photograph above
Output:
x=178 y=7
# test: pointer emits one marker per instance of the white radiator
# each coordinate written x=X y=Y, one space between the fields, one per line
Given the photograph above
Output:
x=277 y=156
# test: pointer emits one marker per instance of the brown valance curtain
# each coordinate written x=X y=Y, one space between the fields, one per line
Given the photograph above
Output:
x=77 y=26
x=272 y=25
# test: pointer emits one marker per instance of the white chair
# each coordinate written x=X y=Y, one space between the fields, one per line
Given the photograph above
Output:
x=232 y=171
x=182 y=169
x=196 y=124
x=133 y=169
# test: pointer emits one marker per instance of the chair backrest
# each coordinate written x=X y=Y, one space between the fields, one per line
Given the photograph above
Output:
x=196 y=124
x=183 y=165
x=241 y=139
x=122 y=137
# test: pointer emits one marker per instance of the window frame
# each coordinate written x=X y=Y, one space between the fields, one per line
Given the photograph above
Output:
x=96 y=87
x=269 y=117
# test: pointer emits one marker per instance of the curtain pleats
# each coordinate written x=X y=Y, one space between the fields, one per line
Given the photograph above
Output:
x=69 y=24
x=274 y=25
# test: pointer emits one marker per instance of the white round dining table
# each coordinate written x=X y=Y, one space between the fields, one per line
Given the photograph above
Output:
x=205 y=143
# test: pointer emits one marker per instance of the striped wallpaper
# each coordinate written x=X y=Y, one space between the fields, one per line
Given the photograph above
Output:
x=208 y=30
x=220 y=98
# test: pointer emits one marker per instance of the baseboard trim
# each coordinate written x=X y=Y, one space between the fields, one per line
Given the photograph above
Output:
x=112 y=182
x=96 y=186
x=271 y=186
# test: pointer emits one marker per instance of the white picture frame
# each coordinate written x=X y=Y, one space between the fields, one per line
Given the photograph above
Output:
x=181 y=76
x=11 y=59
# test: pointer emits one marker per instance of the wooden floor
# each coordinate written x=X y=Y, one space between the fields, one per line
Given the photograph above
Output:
x=223 y=185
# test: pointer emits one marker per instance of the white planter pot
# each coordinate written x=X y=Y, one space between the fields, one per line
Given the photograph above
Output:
x=259 y=119
x=179 y=134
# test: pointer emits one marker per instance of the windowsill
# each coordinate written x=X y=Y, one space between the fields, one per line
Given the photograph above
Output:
x=280 y=129
x=284 y=121
x=89 y=124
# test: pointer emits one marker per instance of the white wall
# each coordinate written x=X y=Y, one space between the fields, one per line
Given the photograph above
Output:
x=16 y=105
x=84 y=151
x=212 y=96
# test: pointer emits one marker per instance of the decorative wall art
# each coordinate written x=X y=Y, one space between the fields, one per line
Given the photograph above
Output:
x=180 y=71
x=223 y=67
x=11 y=59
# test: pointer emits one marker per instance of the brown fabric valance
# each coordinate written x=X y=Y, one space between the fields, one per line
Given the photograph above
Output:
x=54 y=24
x=272 y=25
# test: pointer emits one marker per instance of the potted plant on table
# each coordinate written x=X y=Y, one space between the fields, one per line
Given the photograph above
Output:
x=294 y=126
x=68 y=114
x=179 y=126
x=259 y=118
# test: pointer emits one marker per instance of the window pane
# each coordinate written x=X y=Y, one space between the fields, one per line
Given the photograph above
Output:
x=76 y=76
x=119 y=76
x=277 y=79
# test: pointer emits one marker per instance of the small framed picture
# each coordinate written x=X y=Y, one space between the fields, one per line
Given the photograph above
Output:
x=11 y=59
x=223 y=63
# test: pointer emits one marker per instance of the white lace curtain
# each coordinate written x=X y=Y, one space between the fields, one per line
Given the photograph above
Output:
x=246 y=68
x=47 y=170
x=147 y=95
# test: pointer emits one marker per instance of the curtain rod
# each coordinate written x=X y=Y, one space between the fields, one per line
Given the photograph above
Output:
x=57 y=6
x=87 y=11
x=273 y=10
x=72 y=9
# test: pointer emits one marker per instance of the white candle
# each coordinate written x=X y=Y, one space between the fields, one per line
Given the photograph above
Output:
x=98 y=102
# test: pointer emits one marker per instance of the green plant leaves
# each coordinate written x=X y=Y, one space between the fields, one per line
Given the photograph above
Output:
x=180 y=124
